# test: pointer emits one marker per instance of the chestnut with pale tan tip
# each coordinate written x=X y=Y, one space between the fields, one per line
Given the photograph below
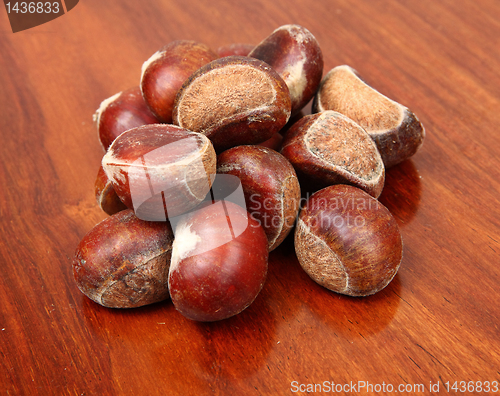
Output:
x=166 y=70
x=328 y=148
x=121 y=112
x=219 y=262
x=233 y=101
x=394 y=128
x=348 y=242
x=295 y=54
x=123 y=262
x=160 y=170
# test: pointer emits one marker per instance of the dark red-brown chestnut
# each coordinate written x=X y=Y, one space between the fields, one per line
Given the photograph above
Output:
x=274 y=142
x=121 y=112
x=219 y=262
x=270 y=186
x=328 y=148
x=160 y=170
x=233 y=101
x=166 y=70
x=295 y=54
x=123 y=262
x=105 y=194
x=347 y=241
x=394 y=128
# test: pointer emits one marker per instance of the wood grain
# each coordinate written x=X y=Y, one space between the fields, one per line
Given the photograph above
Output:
x=437 y=322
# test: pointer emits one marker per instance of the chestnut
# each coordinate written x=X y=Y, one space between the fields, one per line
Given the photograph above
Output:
x=233 y=101
x=160 y=170
x=105 y=194
x=329 y=148
x=394 y=128
x=274 y=142
x=123 y=261
x=240 y=49
x=347 y=241
x=121 y=112
x=270 y=186
x=295 y=54
x=219 y=262
x=166 y=70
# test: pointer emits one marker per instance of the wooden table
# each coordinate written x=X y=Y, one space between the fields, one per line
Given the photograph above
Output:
x=437 y=322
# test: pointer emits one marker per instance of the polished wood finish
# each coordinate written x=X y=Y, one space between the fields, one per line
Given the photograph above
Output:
x=437 y=322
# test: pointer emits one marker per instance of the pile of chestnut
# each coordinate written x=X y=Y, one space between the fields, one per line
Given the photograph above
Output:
x=203 y=127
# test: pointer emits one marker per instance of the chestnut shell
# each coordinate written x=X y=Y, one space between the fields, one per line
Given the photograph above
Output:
x=233 y=100
x=219 y=262
x=270 y=186
x=123 y=261
x=347 y=241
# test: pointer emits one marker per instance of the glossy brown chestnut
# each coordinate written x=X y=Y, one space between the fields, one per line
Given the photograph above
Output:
x=105 y=194
x=274 y=142
x=233 y=101
x=328 y=148
x=270 y=186
x=120 y=112
x=166 y=70
x=295 y=54
x=347 y=241
x=219 y=262
x=123 y=262
x=240 y=49
x=394 y=128
x=160 y=170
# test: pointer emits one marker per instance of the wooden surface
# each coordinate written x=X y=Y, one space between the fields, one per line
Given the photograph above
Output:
x=437 y=322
